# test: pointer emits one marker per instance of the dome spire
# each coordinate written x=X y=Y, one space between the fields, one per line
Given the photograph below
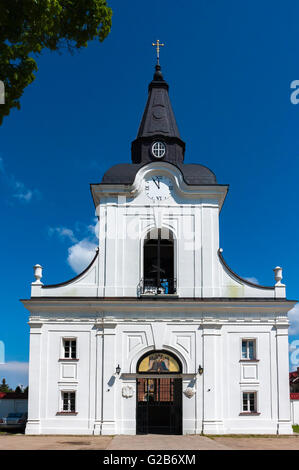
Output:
x=158 y=123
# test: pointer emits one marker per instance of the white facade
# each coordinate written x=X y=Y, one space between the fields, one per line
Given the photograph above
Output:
x=202 y=335
x=203 y=323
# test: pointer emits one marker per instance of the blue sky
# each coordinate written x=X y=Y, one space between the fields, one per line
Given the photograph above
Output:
x=229 y=66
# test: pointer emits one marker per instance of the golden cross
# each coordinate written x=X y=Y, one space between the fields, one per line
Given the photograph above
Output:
x=158 y=45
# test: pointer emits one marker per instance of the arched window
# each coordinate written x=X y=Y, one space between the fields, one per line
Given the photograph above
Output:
x=158 y=263
x=158 y=362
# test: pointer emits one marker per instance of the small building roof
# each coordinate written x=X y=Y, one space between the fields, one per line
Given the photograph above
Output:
x=13 y=396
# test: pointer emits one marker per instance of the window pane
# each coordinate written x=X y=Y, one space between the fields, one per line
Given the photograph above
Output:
x=252 y=402
x=65 y=402
x=72 y=402
x=245 y=402
x=251 y=349
x=73 y=352
x=244 y=349
x=66 y=348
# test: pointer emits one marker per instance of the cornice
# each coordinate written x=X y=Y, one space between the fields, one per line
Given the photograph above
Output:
x=206 y=321
x=140 y=306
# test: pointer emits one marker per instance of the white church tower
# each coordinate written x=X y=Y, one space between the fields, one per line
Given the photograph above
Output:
x=158 y=334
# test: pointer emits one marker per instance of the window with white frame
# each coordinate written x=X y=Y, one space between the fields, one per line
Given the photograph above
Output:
x=249 y=349
x=249 y=402
x=70 y=348
x=69 y=402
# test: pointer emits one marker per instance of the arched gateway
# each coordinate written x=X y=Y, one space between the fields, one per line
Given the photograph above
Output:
x=159 y=394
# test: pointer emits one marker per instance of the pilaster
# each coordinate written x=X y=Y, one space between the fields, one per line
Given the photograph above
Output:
x=212 y=379
x=34 y=398
x=106 y=378
x=99 y=381
x=283 y=396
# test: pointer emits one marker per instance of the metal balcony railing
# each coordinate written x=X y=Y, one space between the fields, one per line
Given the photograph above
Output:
x=153 y=286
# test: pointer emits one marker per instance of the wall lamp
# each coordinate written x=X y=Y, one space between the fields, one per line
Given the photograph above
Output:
x=118 y=369
x=200 y=370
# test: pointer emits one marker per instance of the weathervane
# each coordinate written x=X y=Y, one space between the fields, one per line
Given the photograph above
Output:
x=158 y=45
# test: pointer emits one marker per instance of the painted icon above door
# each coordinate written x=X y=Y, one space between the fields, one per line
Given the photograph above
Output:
x=158 y=362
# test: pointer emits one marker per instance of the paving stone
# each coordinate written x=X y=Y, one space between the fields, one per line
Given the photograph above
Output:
x=147 y=442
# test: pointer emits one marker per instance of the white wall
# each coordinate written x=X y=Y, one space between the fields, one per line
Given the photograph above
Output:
x=212 y=340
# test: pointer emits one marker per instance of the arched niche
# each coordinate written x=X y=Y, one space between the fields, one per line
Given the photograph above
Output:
x=161 y=362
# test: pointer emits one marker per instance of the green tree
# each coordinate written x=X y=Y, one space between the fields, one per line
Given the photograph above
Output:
x=4 y=387
x=29 y=26
x=18 y=389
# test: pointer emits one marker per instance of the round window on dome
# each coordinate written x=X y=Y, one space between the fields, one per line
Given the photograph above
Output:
x=158 y=149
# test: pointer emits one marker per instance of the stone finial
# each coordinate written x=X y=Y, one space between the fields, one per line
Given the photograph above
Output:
x=38 y=273
x=278 y=275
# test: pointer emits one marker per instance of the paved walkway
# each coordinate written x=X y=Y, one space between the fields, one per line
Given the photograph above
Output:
x=22 y=442
x=260 y=443
x=148 y=442
x=164 y=442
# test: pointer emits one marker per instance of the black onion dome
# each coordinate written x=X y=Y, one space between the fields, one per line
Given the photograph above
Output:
x=123 y=173
x=193 y=174
x=198 y=174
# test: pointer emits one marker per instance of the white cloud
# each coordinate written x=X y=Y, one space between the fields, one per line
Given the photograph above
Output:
x=292 y=347
x=15 y=373
x=252 y=279
x=24 y=196
x=294 y=320
x=22 y=193
x=94 y=228
x=18 y=189
x=63 y=233
x=81 y=254
x=84 y=243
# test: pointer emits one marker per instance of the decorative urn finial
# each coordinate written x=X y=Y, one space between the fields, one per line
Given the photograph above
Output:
x=278 y=275
x=38 y=273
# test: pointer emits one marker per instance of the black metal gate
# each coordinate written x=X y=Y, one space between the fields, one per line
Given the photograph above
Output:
x=159 y=406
